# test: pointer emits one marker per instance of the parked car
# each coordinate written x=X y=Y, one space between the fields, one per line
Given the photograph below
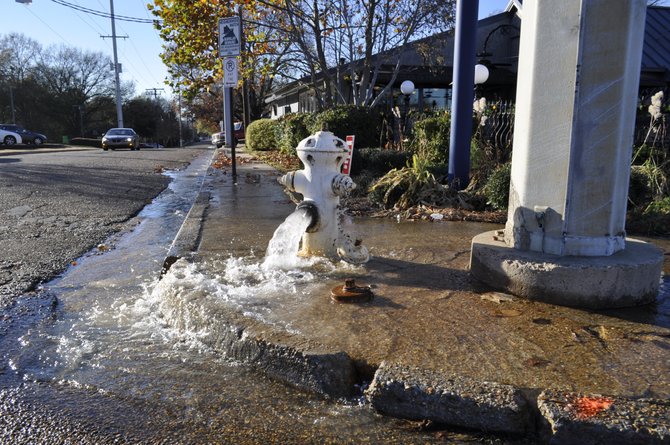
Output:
x=27 y=136
x=9 y=137
x=121 y=138
x=219 y=139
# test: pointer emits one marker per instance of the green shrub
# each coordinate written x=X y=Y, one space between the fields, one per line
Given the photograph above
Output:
x=344 y=120
x=291 y=129
x=496 y=188
x=659 y=207
x=651 y=220
x=431 y=138
x=377 y=161
x=261 y=135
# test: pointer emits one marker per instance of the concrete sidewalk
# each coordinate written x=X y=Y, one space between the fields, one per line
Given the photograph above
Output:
x=433 y=343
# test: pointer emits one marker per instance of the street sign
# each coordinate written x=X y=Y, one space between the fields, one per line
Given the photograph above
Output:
x=230 y=72
x=229 y=36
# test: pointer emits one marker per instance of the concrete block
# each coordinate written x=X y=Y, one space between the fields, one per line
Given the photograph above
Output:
x=578 y=419
x=420 y=394
x=628 y=278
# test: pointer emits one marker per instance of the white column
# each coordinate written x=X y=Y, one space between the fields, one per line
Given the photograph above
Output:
x=579 y=69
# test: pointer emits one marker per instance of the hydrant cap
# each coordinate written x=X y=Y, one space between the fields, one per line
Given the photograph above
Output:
x=322 y=141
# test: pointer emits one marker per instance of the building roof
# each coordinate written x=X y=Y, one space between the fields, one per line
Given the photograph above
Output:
x=656 y=50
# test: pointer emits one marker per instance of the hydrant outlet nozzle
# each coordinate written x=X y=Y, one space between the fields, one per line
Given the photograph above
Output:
x=312 y=212
x=287 y=181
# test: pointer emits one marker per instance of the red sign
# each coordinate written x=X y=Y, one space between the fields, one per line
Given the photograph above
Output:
x=346 y=166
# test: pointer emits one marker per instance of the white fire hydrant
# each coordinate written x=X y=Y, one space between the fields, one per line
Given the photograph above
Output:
x=321 y=185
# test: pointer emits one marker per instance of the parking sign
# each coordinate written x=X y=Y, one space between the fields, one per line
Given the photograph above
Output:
x=230 y=72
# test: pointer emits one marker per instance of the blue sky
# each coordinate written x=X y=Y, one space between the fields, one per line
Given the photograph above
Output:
x=51 y=23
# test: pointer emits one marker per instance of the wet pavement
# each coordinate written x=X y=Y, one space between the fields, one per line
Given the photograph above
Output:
x=112 y=355
x=92 y=358
x=428 y=312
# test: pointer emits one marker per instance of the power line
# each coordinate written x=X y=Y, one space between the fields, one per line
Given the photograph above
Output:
x=103 y=14
x=47 y=25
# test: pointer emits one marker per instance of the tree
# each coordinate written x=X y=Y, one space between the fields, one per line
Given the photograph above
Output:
x=369 y=35
x=190 y=31
x=299 y=39
x=71 y=78
x=18 y=57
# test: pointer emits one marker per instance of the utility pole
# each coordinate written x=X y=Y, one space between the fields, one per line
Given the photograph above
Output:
x=119 y=111
x=11 y=104
x=181 y=139
x=155 y=91
x=245 y=84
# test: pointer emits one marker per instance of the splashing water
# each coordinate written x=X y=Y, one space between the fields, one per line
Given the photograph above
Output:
x=282 y=252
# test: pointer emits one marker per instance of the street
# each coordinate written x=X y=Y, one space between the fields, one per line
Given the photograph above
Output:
x=57 y=204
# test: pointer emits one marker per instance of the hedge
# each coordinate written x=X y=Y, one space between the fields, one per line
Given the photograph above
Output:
x=261 y=135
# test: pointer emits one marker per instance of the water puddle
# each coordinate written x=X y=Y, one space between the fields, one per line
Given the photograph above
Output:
x=108 y=360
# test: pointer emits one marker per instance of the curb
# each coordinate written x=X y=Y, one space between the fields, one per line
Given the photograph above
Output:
x=188 y=237
x=309 y=366
x=420 y=394
x=565 y=418
x=330 y=374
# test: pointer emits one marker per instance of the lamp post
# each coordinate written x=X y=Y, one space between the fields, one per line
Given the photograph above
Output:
x=481 y=74
x=406 y=88
x=463 y=86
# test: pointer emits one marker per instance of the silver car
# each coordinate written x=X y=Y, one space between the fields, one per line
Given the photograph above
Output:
x=9 y=137
x=121 y=138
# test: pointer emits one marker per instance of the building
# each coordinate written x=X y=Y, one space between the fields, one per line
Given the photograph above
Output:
x=497 y=48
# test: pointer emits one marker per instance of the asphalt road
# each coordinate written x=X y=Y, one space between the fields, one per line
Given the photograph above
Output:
x=57 y=204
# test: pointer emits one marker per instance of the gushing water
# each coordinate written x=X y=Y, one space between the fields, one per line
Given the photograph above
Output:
x=283 y=248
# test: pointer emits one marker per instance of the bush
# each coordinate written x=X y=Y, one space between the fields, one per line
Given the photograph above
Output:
x=639 y=188
x=377 y=162
x=291 y=129
x=496 y=188
x=431 y=138
x=344 y=120
x=261 y=135
x=653 y=220
x=408 y=186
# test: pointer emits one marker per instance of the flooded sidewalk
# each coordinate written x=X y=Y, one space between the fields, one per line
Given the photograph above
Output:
x=428 y=313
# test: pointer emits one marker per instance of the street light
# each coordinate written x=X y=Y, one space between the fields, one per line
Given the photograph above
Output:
x=481 y=74
x=406 y=88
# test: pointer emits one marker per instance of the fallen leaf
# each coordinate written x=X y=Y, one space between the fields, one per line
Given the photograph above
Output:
x=536 y=362
x=508 y=313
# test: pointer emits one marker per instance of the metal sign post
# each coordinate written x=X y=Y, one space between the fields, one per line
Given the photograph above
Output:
x=230 y=31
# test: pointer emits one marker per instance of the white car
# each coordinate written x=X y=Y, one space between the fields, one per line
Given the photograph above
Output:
x=9 y=138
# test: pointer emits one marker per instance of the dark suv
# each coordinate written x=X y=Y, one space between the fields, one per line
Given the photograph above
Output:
x=29 y=137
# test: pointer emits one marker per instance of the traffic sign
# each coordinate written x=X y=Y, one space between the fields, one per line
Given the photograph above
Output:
x=230 y=72
x=229 y=36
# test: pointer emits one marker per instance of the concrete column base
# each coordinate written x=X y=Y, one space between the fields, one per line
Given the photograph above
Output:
x=627 y=278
